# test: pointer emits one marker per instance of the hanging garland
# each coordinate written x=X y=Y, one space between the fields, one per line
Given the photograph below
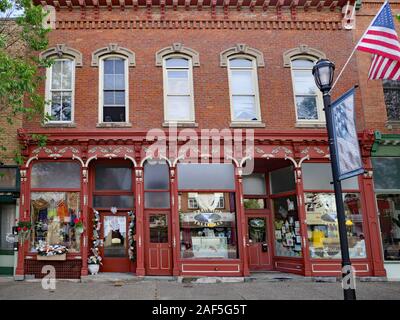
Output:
x=95 y=258
x=131 y=236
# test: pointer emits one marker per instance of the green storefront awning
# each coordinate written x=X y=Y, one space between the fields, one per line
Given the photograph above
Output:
x=386 y=145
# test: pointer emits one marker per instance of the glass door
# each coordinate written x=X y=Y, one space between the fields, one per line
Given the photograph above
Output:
x=158 y=244
x=258 y=243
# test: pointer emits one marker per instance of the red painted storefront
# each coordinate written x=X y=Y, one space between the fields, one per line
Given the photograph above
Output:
x=272 y=150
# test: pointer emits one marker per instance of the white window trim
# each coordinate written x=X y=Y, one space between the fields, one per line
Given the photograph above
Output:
x=256 y=89
x=165 y=88
x=101 y=86
x=320 y=105
x=48 y=95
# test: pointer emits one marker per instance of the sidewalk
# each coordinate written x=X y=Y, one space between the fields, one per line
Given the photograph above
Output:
x=274 y=287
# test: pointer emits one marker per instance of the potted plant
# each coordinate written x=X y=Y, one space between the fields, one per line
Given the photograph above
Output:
x=94 y=262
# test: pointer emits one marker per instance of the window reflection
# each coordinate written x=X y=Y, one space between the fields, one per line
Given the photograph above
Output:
x=158 y=228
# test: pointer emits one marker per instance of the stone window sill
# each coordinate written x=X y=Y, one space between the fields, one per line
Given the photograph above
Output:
x=114 y=125
x=392 y=124
x=247 y=125
x=59 y=125
x=310 y=125
x=182 y=124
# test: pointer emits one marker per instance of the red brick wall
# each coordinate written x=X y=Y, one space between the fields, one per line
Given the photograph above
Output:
x=210 y=80
x=371 y=90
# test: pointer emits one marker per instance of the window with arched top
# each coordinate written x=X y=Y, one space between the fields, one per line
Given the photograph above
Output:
x=178 y=89
x=60 y=90
x=308 y=99
x=243 y=88
x=114 y=95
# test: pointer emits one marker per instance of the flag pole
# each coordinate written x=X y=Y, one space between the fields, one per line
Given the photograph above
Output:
x=355 y=48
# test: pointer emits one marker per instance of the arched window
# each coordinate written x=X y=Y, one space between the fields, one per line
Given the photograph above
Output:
x=60 y=90
x=60 y=82
x=114 y=89
x=178 y=89
x=243 y=88
x=308 y=99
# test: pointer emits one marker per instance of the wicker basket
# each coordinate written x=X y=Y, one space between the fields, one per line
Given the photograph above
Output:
x=56 y=257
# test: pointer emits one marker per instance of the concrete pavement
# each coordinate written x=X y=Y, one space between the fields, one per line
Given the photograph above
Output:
x=280 y=288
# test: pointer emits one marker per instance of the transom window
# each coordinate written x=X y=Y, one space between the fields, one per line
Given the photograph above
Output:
x=308 y=99
x=60 y=90
x=391 y=90
x=114 y=90
x=243 y=85
x=178 y=89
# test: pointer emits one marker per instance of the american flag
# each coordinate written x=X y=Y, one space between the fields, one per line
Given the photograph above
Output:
x=381 y=40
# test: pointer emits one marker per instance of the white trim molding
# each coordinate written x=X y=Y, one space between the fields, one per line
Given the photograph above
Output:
x=63 y=51
x=244 y=49
x=113 y=48
x=304 y=50
x=178 y=48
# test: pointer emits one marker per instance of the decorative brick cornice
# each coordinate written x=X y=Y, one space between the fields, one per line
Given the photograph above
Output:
x=199 y=24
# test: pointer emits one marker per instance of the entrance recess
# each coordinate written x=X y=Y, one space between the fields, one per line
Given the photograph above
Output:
x=260 y=251
x=114 y=231
x=158 y=254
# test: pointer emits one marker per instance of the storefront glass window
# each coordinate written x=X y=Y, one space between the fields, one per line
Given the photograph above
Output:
x=113 y=178
x=56 y=175
x=53 y=218
x=108 y=201
x=156 y=176
x=323 y=232
x=318 y=176
x=287 y=227
x=208 y=225
x=7 y=220
x=201 y=176
x=254 y=184
x=251 y=203
x=282 y=180
x=156 y=200
x=389 y=218
x=386 y=173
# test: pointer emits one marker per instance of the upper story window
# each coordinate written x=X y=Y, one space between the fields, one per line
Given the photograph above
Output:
x=113 y=89
x=60 y=82
x=391 y=90
x=178 y=89
x=60 y=89
x=243 y=87
x=308 y=99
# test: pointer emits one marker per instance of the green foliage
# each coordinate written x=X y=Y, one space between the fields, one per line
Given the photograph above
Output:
x=20 y=39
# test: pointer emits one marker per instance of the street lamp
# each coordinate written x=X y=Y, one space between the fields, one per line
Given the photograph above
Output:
x=323 y=72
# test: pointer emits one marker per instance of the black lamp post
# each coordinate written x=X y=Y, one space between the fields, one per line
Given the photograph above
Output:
x=323 y=74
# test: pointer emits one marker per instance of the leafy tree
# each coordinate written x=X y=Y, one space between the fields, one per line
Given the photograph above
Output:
x=22 y=34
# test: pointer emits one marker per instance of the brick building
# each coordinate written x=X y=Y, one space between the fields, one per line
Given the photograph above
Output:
x=124 y=68
x=380 y=100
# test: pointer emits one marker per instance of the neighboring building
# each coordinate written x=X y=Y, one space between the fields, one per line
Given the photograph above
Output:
x=381 y=102
x=9 y=185
x=123 y=69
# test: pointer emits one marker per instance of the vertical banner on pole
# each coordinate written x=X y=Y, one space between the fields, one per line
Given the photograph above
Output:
x=345 y=136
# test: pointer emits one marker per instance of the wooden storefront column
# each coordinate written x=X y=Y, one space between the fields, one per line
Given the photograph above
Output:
x=23 y=216
x=140 y=270
x=174 y=223
x=242 y=224
x=371 y=221
x=85 y=218
x=303 y=225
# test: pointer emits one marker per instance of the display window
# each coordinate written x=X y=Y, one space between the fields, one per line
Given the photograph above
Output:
x=387 y=188
x=207 y=217
x=55 y=206
x=321 y=215
x=208 y=229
